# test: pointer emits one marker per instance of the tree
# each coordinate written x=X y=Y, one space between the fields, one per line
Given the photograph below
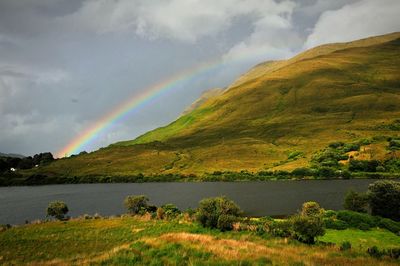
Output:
x=384 y=199
x=218 y=212
x=311 y=208
x=136 y=204
x=57 y=209
x=357 y=202
x=307 y=228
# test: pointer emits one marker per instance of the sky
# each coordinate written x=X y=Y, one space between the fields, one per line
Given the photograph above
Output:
x=64 y=64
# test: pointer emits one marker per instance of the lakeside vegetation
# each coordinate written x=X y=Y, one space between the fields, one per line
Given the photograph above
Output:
x=216 y=233
x=339 y=160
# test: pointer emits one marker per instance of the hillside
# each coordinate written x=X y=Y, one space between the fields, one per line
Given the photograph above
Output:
x=275 y=117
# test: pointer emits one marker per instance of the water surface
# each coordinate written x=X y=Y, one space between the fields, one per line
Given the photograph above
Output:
x=18 y=204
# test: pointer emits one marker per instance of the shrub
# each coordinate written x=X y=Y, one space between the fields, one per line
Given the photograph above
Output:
x=394 y=253
x=160 y=213
x=225 y=222
x=57 y=209
x=211 y=209
x=330 y=214
x=346 y=245
x=363 y=165
x=136 y=204
x=351 y=147
x=326 y=172
x=392 y=165
x=390 y=225
x=294 y=155
x=375 y=252
x=336 y=145
x=356 y=220
x=170 y=211
x=363 y=226
x=281 y=228
x=307 y=228
x=354 y=201
x=151 y=208
x=394 y=144
x=336 y=224
x=311 y=208
x=384 y=199
x=303 y=171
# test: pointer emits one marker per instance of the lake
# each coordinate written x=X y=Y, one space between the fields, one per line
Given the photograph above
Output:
x=18 y=204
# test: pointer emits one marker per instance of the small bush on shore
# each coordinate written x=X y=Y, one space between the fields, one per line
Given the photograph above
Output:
x=307 y=228
x=57 y=209
x=357 y=202
x=169 y=211
x=384 y=199
x=136 y=204
x=311 y=208
x=211 y=209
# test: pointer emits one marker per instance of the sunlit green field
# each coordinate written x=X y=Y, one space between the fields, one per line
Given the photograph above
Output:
x=361 y=240
x=145 y=241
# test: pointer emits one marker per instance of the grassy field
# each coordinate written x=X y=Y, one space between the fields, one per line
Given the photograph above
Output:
x=144 y=241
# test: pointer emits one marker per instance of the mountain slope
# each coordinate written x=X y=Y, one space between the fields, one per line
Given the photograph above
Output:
x=335 y=92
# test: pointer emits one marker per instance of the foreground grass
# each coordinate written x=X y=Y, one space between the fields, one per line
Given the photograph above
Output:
x=362 y=240
x=132 y=240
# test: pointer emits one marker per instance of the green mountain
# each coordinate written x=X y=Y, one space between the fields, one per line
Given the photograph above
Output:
x=277 y=116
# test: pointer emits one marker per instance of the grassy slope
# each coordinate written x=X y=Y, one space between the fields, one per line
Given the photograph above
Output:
x=330 y=93
x=128 y=241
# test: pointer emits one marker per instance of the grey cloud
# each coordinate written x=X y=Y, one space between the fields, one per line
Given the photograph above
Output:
x=355 y=21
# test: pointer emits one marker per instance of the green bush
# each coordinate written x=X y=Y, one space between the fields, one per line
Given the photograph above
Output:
x=392 y=165
x=307 y=228
x=390 y=225
x=394 y=144
x=294 y=155
x=351 y=147
x=303 y=171
x=330 y=214
x=346 y=245
x=281 y=228
x=170 y=211
x=211 y=209
x=311 y=208
x=327 y=172
x=57 y=209
x=384 y=199
x=336 y=145
x=354 y=201
x=225 y=222
x=356 y=220
x=136 y=204
x=363 y=226
x=336 y=224
x=363 y=165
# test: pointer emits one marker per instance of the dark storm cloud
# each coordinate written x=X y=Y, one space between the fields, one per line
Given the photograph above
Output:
x=64 y=64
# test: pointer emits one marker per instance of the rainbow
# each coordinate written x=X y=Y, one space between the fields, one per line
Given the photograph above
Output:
x=135 y=102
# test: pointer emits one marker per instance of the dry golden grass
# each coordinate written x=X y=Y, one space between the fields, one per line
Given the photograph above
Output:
x=277 y=250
